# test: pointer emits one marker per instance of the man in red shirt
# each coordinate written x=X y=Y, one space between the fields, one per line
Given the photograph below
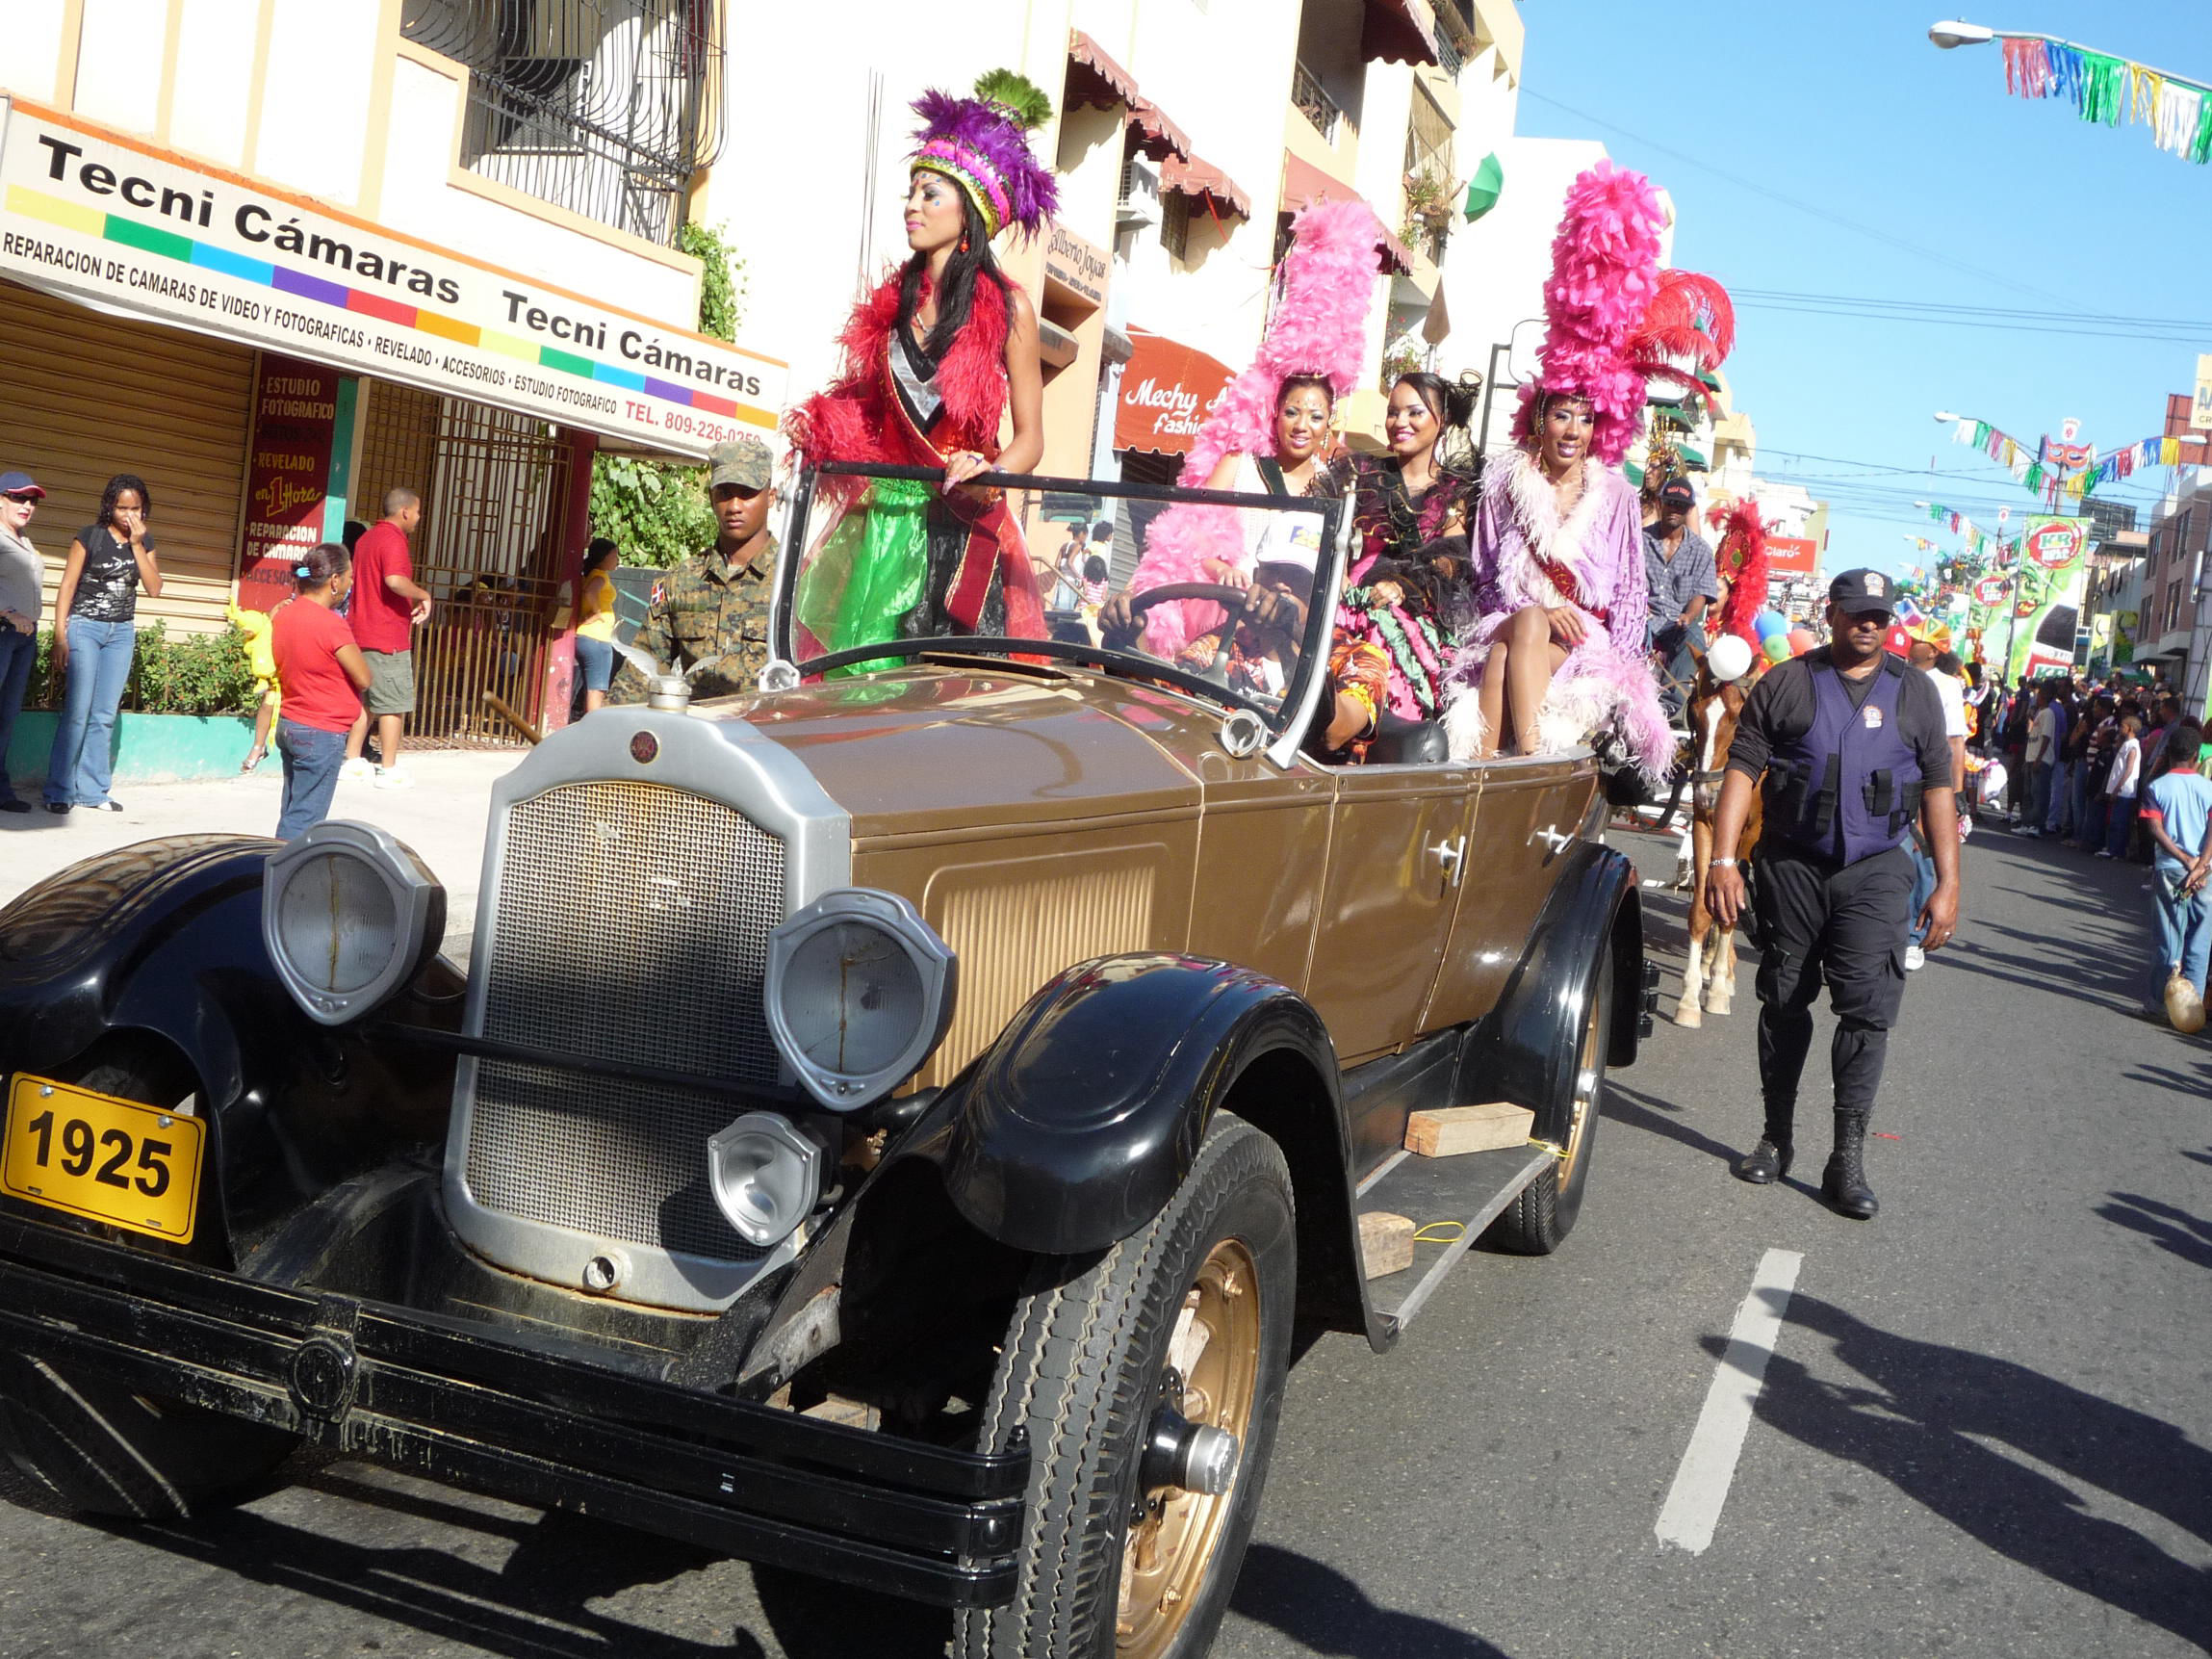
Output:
x=387 y=606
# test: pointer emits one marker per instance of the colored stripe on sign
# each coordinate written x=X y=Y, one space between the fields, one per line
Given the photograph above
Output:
x=167 y=243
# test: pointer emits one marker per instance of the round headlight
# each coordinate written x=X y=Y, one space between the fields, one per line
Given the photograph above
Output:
x=859 y=990
x=348 y=915
x=765 y=1176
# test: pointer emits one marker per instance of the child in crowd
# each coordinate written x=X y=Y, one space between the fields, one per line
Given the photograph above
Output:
x=255 y=626
x=2175 y=810
x=321 y=674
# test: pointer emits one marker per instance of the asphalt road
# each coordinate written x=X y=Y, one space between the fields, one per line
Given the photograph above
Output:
x=1986 y=1427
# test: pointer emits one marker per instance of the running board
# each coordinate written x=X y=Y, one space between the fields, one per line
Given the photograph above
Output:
x=1469 y=1191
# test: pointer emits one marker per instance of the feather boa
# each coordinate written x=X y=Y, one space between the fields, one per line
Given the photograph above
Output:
x=1319 y=326
x=853 y=421
x=1600 y=683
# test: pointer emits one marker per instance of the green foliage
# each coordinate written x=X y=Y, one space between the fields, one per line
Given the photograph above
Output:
x=1019 y=96
x=721 y=280
x=655 y=512
x=192 y=674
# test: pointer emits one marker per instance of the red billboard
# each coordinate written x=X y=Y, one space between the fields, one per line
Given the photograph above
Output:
x=1167 y=389
x=296 y=431
x=1792 y=556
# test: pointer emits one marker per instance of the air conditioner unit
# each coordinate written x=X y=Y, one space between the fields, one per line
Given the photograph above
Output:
x=1140 y=193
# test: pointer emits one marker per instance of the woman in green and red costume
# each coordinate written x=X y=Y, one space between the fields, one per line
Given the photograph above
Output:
x=939 y=359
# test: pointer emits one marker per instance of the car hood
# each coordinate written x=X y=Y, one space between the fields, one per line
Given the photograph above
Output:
x=937 y=748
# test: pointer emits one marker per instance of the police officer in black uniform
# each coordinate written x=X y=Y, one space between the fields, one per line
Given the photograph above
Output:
x=1846 y=745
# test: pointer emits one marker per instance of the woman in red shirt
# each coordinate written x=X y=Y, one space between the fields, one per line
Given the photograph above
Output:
x=323 y=675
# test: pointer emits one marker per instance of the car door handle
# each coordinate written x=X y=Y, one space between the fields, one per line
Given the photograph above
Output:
x=1551 y=837
x=1452 y=856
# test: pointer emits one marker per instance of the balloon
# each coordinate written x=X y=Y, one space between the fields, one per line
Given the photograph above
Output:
x=1728 y=657
x=1777 y=647
x=1801 y=640
x=1768 y=622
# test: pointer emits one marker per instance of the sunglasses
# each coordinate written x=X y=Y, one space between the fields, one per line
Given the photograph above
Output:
x=23 y=500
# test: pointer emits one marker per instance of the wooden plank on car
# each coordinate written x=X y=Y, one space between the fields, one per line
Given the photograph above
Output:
x=1454 y=1129
x=1385 y=1243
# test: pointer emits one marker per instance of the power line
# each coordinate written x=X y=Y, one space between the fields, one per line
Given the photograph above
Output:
x=1800 y=205
x=2142 y=329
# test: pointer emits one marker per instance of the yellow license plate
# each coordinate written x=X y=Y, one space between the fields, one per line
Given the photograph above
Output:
x=93 y=1155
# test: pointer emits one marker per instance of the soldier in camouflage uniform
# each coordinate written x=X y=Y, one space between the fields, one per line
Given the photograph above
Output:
x=714 y=605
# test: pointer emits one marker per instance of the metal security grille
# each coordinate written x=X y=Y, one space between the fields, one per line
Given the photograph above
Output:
x=603 y=107
x=632 y=924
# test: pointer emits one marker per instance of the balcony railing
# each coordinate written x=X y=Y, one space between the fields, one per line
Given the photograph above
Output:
x=604 y=107
x=1314 y=102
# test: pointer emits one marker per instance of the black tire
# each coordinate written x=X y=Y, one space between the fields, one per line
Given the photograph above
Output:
x=86 y=1444
x=1544 y=1212
x=1081 y=1371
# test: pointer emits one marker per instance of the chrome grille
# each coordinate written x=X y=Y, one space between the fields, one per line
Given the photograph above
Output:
x=633 y=925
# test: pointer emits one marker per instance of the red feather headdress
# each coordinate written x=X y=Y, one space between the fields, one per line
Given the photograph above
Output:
x=1741 y=561
x=1687 y=330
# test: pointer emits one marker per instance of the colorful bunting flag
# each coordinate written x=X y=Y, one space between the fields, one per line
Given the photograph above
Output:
x=2103 y=88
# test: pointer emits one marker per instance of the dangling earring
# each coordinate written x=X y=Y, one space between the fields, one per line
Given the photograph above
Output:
x=964 y=242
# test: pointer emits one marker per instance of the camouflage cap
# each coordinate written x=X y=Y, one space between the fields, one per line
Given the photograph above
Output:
x=742 y=461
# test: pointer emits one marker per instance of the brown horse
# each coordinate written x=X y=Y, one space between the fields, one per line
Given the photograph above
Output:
x=1708 y=978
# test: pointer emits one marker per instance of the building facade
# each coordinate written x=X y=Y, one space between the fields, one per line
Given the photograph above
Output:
x=279 y=256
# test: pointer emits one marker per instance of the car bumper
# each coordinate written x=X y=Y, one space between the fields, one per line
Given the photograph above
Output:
x=439 y=1398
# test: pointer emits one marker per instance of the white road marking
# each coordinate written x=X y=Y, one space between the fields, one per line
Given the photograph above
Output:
x=1692 y=1508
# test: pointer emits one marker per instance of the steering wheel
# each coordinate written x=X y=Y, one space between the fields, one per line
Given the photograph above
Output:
x=1219 y=592
x=1230 y=598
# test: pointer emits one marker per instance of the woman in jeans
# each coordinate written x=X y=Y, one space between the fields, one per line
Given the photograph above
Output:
x=321 y=674
x=595 y=624
x=97 y=614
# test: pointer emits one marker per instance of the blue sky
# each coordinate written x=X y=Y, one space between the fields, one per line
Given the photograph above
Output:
x=1911 y=175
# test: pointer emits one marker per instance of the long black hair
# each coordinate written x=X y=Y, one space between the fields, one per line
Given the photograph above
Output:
x=971 y=258
x=113 y=493
x=1453 y=403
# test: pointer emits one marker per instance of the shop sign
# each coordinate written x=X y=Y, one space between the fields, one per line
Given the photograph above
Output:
x=1792 y=556
x=1076 y=264
x=88 y=214
x=294 y=488
x=1167 y=390
x=2201 y=407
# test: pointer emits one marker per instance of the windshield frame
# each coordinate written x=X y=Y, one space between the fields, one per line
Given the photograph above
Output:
x=1286 y=724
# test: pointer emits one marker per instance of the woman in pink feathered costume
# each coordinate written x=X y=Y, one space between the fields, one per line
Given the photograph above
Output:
x=1558 y=653
x=1276 y=411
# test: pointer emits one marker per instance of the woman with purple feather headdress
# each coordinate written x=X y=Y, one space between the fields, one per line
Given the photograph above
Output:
x=935 y=360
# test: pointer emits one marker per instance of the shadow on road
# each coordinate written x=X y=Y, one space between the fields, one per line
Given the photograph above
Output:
x=2170 y=1228
x=531 y=1607
x=1324 y=1611
x=1923 y=1424
x=1625 y=1106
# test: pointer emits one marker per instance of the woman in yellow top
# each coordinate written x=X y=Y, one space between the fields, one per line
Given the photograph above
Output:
x=595 y=623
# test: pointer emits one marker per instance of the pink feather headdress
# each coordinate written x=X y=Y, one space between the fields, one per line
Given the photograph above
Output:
x=1325 y=289
x=1605 y=275
x=1616 y=319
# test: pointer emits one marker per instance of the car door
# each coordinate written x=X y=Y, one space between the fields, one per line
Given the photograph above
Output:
x=1526 y=815
x=1398 y=847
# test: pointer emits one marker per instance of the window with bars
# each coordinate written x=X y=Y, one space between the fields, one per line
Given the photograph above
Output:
x=1175 y=224
x=1429 y=137
x=604 y=107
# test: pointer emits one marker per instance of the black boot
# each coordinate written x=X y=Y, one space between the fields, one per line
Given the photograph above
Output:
x=1768 y=1162
x=1843 y=1185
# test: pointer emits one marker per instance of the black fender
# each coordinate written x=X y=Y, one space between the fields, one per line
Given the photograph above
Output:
x=1078 y=1124
x=157 y=945
x=1523 y=1049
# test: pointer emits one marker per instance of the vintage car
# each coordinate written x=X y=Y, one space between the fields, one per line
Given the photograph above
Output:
x=889 y=1126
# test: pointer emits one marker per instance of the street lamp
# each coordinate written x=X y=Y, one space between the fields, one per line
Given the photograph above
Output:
x=1954 y=34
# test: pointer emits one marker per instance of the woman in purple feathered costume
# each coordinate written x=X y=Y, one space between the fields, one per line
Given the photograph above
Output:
x=1558 y=653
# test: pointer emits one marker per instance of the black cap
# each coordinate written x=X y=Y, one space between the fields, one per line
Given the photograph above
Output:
x=1677 y=492
x=1862 y=591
